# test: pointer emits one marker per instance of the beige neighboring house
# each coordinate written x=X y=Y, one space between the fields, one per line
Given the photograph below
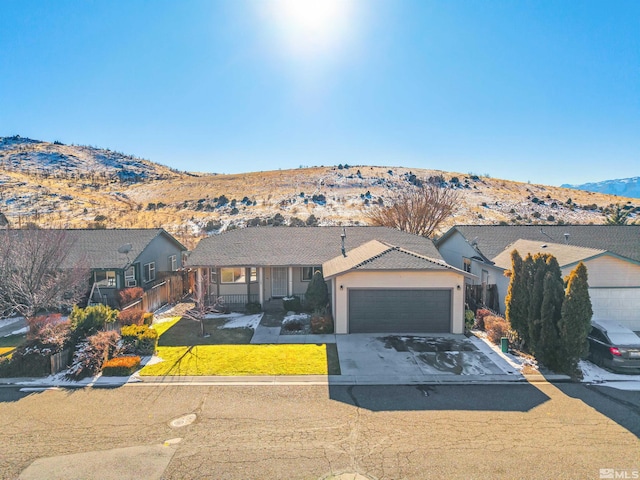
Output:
x=379 y=287
x=387 y=281
x=610 y=253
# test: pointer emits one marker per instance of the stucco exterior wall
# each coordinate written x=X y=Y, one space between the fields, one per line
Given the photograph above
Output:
x=610 y=271
x=454 y=249
x=341 y=284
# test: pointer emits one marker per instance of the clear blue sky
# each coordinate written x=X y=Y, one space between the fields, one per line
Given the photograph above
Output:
x=540 y=91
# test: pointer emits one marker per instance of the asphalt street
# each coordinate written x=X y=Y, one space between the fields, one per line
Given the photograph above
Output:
x=532 y=431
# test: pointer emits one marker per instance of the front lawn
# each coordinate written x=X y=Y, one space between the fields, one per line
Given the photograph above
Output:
x=289 y=359
x=187 y=332
x=9 y=343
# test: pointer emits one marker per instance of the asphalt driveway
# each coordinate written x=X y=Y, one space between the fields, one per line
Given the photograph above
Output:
x=366 y=359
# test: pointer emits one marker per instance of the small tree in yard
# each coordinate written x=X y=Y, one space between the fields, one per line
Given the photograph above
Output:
x=420 y=210
x=576 y=318
x=548 y=345
x=517 y=300
x=317 y=295
x=200 y=290
x=37 y=273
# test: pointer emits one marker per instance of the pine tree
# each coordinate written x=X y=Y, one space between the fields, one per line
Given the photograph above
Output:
x=517 y=300
x=537 y=268
x=549 y=345
x=317 y=295
x=576 y=319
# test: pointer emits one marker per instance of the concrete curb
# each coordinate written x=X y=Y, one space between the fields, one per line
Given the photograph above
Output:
x=329 y=380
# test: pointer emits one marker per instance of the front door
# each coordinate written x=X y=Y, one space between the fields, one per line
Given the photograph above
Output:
x=279 y=282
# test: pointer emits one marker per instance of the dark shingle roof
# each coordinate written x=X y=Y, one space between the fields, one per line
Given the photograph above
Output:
x=98 y=249
x=376 y=255
x=622 y=240
x=297 y=246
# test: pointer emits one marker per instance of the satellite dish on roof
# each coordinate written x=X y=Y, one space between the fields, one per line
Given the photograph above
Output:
x=124 y=249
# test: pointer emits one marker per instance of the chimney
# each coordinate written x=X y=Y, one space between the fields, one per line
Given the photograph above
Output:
x=343 y=236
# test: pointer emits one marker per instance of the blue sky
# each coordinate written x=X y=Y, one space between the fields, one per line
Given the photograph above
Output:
x=540 y=91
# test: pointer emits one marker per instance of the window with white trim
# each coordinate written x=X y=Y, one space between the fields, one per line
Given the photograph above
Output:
x=130 y=277
x=173 y=263
x=149 y=272
x=466 y=265
x=309 y=272
x=232 y=275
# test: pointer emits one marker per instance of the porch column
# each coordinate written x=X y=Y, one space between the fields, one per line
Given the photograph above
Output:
x=261 y=285
x=290 y=285
x=199 y=286
x=247 y=276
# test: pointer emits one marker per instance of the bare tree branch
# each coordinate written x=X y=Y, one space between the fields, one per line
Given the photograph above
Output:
x=419 y=210
x=35 y=274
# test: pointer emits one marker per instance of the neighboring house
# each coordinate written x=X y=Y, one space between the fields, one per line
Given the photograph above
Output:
x=610 y=253
x=387 y=281
x=120 y=258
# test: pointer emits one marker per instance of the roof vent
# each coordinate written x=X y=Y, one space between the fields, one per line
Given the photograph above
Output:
x=566 y=238
x=544 y=245
x=343 y=236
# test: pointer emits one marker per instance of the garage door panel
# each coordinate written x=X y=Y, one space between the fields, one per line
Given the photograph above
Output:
x=618 y=304
x=399 y=310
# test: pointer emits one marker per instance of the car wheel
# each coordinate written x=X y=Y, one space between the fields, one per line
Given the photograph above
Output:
x=598 y=359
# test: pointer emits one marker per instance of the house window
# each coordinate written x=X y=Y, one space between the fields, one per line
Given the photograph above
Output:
x=308 y=272
x=149 y=272
x=173 y=263
x=214 y=275
x=466 y=265
x=235 y=275
x=232 y=275
x=105 y=279
x=130 y=277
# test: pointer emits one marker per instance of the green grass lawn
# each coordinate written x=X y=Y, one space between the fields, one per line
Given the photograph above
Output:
x=226 y=352
x=8 y=344
x=297 y=359
x=187 y=332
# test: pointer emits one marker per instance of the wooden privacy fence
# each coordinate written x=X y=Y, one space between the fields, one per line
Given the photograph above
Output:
x=485 y=295
x=60 y=361
x=171 y=290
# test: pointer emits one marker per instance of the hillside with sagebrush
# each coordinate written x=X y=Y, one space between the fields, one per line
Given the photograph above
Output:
x=71 y=186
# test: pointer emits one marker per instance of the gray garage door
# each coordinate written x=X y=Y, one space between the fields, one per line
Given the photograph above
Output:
x=397 y=311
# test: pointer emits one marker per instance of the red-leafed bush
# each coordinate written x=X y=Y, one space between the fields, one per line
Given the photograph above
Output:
x=36 y=324
x=128 y=295
x=131 y=317
x=321 y=322
x=481 y=314
x=121 y=366
x=496 y=328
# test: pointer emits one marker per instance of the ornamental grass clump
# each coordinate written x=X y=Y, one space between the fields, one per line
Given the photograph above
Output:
x=91 y=354
x=496 y=328
x=121 y=366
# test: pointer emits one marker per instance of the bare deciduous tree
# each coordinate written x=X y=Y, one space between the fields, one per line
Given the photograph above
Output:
x=37 y=273
x=200 y=294
x=419 y=210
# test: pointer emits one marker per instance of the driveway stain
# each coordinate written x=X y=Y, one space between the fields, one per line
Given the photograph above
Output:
x=450 y=362
x=427 y=344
